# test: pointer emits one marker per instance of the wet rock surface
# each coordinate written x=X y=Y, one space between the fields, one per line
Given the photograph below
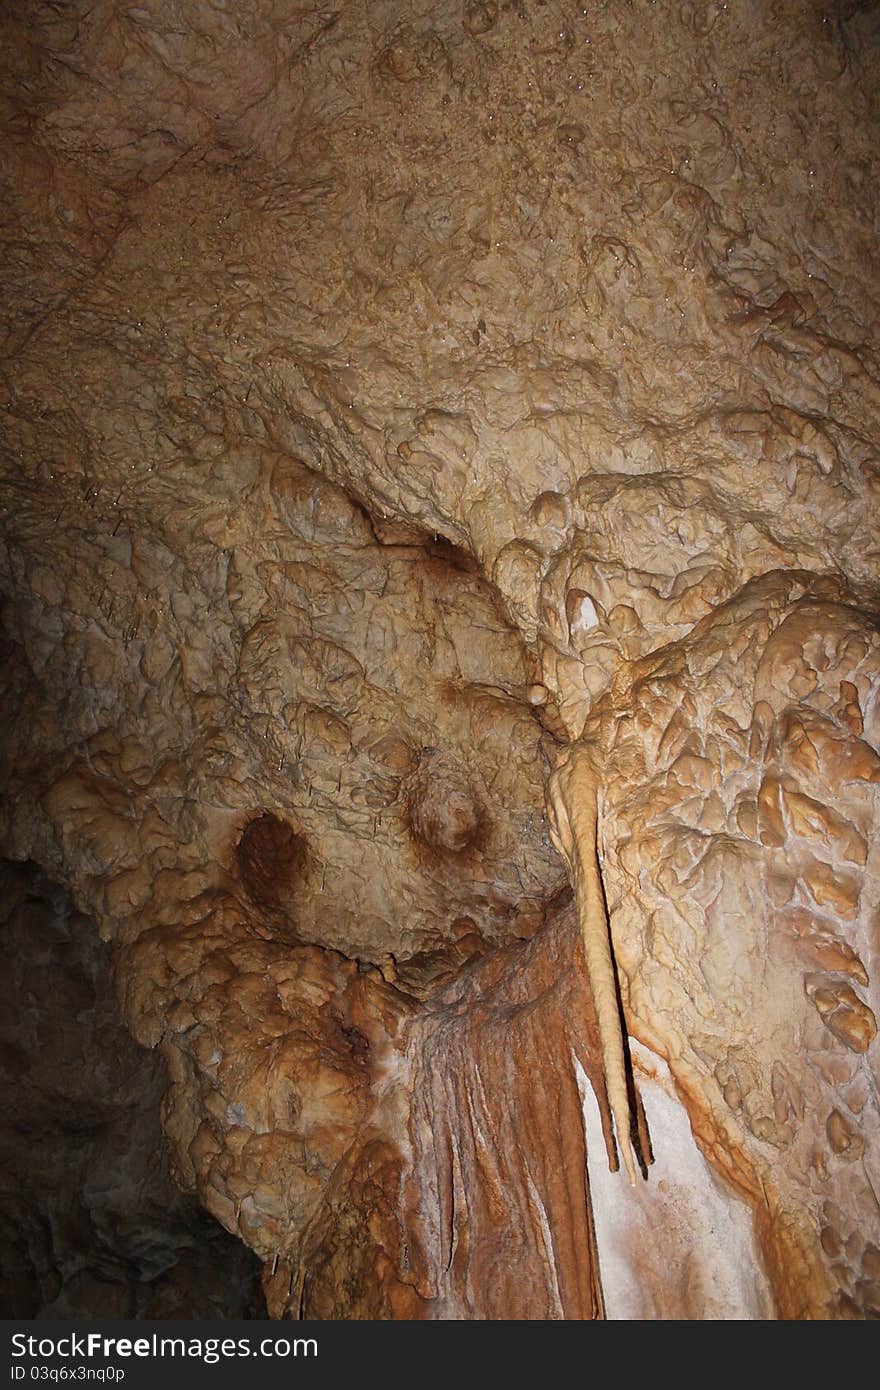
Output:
x=393 y=395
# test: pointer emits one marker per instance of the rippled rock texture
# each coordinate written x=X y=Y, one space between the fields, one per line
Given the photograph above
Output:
x=395 y=395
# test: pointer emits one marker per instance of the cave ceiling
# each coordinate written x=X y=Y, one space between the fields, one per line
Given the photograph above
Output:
x=397 y=397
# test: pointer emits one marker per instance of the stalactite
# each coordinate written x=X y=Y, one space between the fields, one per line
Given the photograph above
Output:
x=573 y=816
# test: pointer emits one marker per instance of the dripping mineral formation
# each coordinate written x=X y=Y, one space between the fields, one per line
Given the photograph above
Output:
x=441 y=656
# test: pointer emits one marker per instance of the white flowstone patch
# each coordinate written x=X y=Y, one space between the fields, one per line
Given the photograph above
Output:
x=679 y=1246
x=587 y=617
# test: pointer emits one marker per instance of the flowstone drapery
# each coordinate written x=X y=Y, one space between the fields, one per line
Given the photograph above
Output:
x=397 y=398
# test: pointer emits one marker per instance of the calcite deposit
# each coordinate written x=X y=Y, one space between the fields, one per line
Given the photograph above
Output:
x=404 y=403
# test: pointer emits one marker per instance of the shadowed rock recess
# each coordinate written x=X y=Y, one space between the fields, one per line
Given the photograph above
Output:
x=92 y=1225
x=426 y=425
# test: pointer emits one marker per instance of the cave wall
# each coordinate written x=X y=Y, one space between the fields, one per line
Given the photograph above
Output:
x=394 y=395
x=92 y=1223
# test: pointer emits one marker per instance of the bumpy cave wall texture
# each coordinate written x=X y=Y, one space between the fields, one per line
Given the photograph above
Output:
x=441 y=660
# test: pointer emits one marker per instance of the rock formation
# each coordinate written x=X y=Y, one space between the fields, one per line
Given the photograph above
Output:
x=92 y=1225
x=401 y=402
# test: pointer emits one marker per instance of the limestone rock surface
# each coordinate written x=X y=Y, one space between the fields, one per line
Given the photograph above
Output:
x=392 y=395
x=92 y=1224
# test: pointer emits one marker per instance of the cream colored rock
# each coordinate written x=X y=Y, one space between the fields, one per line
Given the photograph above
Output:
x=392 y=399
